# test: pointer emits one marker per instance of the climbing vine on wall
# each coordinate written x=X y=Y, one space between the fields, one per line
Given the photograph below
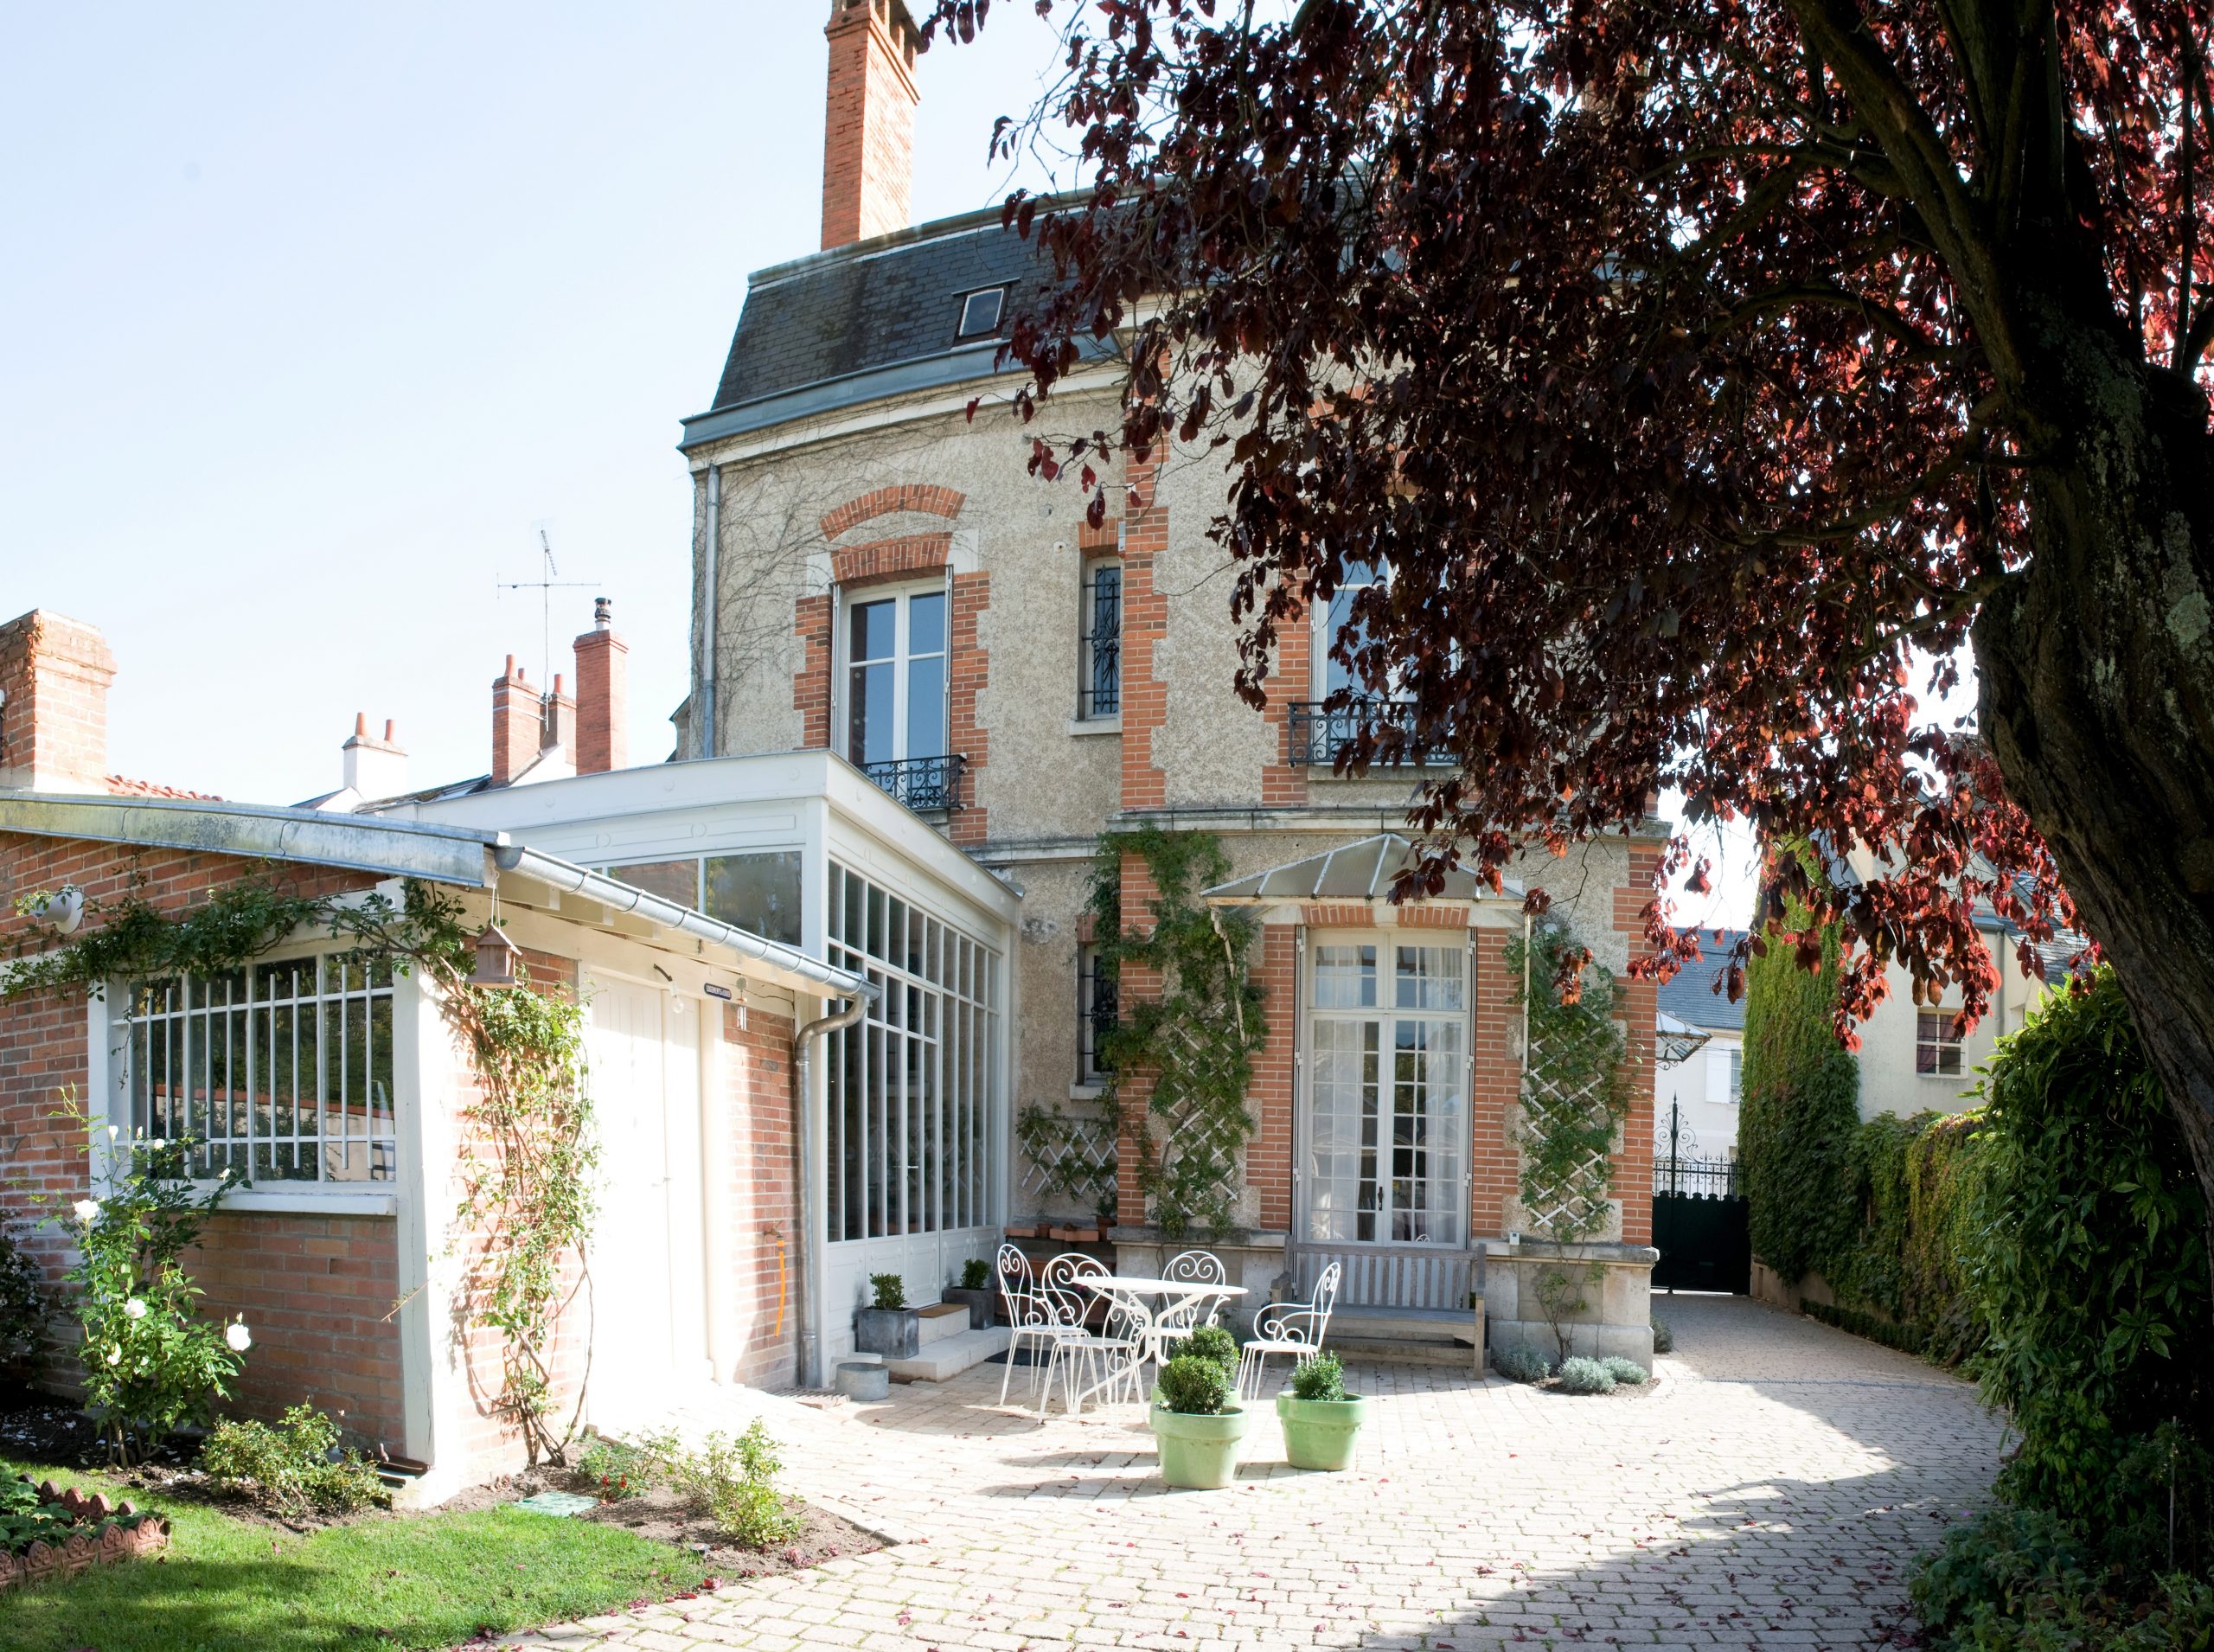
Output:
x=529 y=1154
x=1192 y=1046
x=1575 y=1093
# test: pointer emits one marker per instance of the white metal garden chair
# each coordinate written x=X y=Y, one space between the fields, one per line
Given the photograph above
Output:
x=1030 y=1316
x=1104 y=1361
x=1295 y=1328
x=1176 y=1322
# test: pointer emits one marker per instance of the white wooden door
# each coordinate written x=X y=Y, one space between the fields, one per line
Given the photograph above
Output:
x=648 y=1294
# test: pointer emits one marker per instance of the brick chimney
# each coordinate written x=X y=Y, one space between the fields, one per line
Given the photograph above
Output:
x=518 y=724
x=869 y=137
x=53 y=676
x=373 y=768
x=603 y=695
x=559 y=726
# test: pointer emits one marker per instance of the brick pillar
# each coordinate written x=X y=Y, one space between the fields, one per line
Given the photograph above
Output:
x=1135 y=1091
x=868 y=130
x=1145 y=618
x=602 y=696
x=811 y=686
x=1495 y=1087
x=1272 y=1093
x=970 y=669
x=518 y=718
x=1640 y=1005
x=1284 y=784
x=55 y=672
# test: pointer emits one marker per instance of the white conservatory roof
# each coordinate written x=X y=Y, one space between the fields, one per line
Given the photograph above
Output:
x=1363 y=870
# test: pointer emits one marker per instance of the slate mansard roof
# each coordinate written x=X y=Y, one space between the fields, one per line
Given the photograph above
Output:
x=1689 y=995
x=874 y=319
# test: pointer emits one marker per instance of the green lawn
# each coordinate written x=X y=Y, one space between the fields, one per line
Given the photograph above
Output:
x=428 y=1582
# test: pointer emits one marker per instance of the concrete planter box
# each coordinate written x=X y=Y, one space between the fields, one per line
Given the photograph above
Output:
x=1199 y=1453
x=895 y=1333
x=980 y=1303
x=1321 y=1433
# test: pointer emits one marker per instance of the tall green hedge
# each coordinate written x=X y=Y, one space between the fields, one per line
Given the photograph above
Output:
x=1802 y=1105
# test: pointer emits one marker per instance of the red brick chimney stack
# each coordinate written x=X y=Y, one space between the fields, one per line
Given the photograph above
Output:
x=603 y=695
x=54 y=675
x=560 y=728
x=869 y=138
x=518 y=724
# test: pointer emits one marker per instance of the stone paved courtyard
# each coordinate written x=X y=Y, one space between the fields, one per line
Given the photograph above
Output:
x=1770 y=1488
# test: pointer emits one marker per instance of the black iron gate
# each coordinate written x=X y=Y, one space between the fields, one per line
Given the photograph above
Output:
x=1698 y=1221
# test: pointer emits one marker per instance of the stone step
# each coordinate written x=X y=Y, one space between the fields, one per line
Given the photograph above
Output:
x=940 y=1322
x=950 y=1356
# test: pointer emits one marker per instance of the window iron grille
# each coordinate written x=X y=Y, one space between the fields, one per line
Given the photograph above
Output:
x=926 y=784
x=1098 y=1010
x=1099 y=689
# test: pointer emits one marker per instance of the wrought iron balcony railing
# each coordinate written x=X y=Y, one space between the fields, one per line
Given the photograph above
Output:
x=926 y=784
x=1320 y=731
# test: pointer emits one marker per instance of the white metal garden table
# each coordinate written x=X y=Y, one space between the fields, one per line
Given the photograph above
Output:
x=1158 y=1311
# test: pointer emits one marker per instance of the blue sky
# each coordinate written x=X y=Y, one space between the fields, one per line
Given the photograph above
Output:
x=311 y=316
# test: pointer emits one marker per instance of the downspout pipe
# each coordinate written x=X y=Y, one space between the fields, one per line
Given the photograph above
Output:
x=810 y=1372
x=708 y=603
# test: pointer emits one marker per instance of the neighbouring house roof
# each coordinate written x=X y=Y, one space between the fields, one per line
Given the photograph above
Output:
x=1358 y=871
x=122 y=785
x=466 y=856
x=1690 y=996
x=869 y=320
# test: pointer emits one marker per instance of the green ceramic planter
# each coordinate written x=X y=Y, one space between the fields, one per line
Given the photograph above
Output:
x=1198 y=1453
x=1321 y=1433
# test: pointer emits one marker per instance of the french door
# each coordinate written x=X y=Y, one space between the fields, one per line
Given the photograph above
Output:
x=896 y=677
x=1383 y=1143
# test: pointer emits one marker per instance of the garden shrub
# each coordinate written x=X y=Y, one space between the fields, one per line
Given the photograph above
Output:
x=152 y=1364
x=1195 y=1386
x=1210 y=1342
x=891 y=1290
x=1626 y=1372
x=2090 y=1267
x=24 y=1303
x=295 y=1468
x=1518 y=1363
x=2022 y=1580
x=1320 y=1378
x=732 y=1483
x=612 y=1469
x=1580 y=1376
x=975 y=1274
x=1664 y=1336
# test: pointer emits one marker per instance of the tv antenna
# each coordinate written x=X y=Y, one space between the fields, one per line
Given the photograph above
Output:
x=546 y=587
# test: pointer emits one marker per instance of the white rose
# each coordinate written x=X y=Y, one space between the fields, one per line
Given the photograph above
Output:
x=115 y=1355
x=238 y=1336
x=87 y=1209
x=134 y=1308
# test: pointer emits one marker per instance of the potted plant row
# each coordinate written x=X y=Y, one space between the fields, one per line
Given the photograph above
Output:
x=1198 y=1424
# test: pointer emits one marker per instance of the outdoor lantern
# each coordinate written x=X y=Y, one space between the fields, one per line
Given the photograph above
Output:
x=496 y=959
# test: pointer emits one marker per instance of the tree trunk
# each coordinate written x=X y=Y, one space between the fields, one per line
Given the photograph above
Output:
x=2097 y=682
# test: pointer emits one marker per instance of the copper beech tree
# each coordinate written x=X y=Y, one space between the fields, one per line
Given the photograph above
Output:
x=1704 y=382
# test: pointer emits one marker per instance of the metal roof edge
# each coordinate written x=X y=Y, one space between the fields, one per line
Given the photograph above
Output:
x=952 y=366
x=314 y=837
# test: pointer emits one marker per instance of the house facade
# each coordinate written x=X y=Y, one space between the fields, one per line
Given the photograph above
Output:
x=1696 y=1096
x=879 y=578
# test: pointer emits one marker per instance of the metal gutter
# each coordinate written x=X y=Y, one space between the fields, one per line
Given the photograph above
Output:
x=621 y=897
x=362 y=844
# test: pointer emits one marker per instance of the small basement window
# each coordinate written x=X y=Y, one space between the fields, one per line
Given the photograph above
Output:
x=979 y=313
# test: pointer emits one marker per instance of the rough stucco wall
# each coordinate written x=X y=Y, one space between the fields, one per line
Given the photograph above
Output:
x=1889 y=1083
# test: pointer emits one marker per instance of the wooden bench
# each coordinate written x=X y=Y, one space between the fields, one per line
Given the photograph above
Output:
x=1408 y=1298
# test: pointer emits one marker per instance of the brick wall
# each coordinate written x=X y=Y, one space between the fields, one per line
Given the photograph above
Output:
x=915 y=497
x=316 y=1291
x=1284 y=784
x=891 y=559
x=1269 y=1096
x=970 y=669
x=765 y=1248
x=1495 y=1088
x=811 y=686
x=1634 y=1163
x=1145 y=619
x=1138 y=984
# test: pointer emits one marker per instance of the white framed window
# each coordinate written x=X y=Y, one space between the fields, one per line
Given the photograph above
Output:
x=1936 y=1043
x=756 y=890
x=1386 y=1120
x=914 y=1086
x=1099 y=642
x=282 y=1071
x=1737 y=1076
x=1330 y=673
x=895 y=676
